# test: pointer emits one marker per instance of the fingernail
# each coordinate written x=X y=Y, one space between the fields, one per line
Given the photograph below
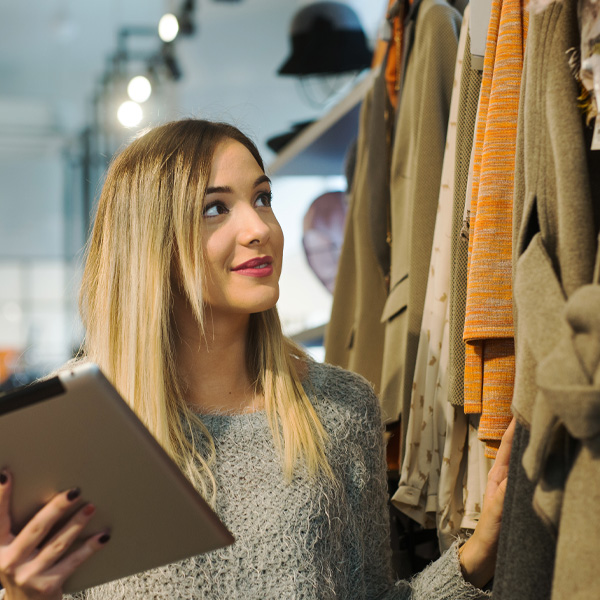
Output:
x=73 y=494
x=89 y=510
x=104 y=538
x=3 y=478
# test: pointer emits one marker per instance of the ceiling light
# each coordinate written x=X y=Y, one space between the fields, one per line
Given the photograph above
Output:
x=139 y=89
x=168 y=27
x=130 y=114
x=12 y=312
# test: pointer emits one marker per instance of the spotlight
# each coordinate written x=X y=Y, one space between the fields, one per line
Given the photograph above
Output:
x=130 y=114
x=12 y=312
x=168 y=27
x=139 y=89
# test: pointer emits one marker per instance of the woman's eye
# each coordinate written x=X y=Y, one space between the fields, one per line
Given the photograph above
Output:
x=214 y=209
x=265 y=199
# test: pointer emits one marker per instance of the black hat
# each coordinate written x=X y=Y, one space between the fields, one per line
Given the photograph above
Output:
x=327 y=38
x=277 y=142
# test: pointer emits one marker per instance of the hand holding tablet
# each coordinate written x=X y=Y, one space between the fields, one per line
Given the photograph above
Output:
x=75 y=430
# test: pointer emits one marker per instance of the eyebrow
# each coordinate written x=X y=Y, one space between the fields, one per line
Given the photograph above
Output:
x=225 y=189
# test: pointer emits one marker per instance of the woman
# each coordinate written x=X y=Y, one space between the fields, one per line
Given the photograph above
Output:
x=178 y=301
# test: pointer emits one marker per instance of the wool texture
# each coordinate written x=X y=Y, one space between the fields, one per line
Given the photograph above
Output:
x=304 y=539
x=470 y=87
x=489 y=332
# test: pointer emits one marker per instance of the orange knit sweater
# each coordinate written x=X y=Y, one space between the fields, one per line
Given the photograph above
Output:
x=489 y=335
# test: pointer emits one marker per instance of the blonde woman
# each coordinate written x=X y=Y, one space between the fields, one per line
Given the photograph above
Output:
x=178 y=301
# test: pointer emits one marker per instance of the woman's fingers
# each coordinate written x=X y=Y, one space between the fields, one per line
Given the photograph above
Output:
x=499 y=471
x=33 y=534
x=48 y=582
x=5 y=492
x=25 y=582
x=65 y=567
x=503 y=454
x=63 y=539
x=29 y=570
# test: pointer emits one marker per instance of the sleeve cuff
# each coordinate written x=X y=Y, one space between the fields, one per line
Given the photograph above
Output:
x=443 y=580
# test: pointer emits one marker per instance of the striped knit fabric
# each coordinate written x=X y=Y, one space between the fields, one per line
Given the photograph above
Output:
x=470 y=88
x=394 y=61
x=393 y=49
x=489 y=334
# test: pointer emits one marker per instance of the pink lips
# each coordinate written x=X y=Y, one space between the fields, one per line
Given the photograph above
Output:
x=256 y=267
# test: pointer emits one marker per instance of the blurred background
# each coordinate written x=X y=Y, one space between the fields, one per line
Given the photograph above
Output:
x=68 y=102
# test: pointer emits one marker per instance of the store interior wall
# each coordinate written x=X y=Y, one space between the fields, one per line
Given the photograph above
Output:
x=52 y=54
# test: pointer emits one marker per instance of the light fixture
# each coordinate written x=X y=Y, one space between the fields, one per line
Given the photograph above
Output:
x=187 y=25
x=130 y=114
x=139 y=89
x=168 y=27
x=12 y=312
x=170 y=62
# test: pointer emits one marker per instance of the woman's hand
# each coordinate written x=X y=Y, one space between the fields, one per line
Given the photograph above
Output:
x=29 y=571
x=478 y=554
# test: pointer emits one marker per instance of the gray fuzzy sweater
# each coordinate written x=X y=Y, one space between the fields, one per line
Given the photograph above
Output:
x=306 y=539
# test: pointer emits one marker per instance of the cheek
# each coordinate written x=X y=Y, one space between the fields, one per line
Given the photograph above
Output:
x=215 y=250
x=277 y=237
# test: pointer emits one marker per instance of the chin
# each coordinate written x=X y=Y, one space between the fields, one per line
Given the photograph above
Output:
x=264 y=305
x=250 y=303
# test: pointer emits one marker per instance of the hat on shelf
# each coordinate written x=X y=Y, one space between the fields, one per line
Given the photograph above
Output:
x=327 y=38
x=278 y=142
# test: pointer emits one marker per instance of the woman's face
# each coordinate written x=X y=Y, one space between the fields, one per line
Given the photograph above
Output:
x=242 y=239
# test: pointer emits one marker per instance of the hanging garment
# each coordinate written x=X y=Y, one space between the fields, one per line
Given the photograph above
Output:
x=395 y=70
x=567 y=417
x=436 y=436
x=556 y=216
x=417 y=159
x=470 y=86
x=526 y=549
x=556 y=212
x=475 y=478
x=389 y=47
x=490 y=359
x=394 y=60
x=588 y=16
x=354 y=337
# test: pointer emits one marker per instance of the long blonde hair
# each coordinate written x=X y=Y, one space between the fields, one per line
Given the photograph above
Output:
x=148 y=224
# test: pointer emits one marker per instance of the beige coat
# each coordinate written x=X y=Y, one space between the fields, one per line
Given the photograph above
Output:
x=354 y=337
x=557 y=388
x=417 y=158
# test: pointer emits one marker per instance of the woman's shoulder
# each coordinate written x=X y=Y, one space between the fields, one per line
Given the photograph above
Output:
x=337 y=392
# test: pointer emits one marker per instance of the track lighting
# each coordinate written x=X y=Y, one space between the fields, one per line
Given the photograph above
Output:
x=168 y=27
x=139 y=89
x=170 y=62
x=130 y=113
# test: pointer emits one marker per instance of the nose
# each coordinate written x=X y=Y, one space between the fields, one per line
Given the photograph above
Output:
x=253 y=228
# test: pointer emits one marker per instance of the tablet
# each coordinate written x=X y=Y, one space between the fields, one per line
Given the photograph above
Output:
x=74 y=430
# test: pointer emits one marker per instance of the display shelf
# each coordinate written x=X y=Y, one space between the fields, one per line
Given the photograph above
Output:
x=320 y=149
x=310 y=336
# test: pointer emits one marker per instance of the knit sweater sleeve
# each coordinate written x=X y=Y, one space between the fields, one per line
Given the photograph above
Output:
x=442 y=580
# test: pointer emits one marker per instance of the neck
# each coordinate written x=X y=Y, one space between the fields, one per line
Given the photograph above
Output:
x=212 y=369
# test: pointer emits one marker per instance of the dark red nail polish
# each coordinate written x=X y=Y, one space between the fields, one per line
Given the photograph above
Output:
x=3 y=478
x=104 y=538
x=89 y=510
x=73 y=494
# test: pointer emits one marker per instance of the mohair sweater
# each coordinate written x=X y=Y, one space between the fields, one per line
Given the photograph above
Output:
x=308 y=539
